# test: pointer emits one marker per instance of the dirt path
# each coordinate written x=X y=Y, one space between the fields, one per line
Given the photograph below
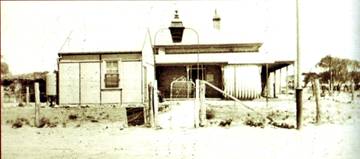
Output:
x=337 y=137
x=108 y=141
x=180 y=115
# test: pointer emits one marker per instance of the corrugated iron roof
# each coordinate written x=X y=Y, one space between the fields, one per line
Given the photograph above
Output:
x=104 y=39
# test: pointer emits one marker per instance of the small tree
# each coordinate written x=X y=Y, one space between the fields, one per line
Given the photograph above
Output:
x=4 y=67
x=338 y=70
x=310 y=76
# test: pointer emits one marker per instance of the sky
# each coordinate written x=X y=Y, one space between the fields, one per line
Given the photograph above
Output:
x=32 y=33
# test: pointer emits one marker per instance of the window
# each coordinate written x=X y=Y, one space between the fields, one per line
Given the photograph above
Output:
x=112 y=74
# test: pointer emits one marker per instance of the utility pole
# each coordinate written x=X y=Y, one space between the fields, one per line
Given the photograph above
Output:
x=298 y=73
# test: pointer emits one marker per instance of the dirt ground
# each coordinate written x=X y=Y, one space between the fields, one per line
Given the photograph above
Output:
x=336 y=137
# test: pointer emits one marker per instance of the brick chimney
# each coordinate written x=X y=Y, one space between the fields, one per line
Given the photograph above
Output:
x=216 y=21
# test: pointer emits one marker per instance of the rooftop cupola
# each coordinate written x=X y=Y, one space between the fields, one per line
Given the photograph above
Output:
x=176 y=28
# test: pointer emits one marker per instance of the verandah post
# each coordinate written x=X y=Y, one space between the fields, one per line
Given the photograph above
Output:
x=27 y=95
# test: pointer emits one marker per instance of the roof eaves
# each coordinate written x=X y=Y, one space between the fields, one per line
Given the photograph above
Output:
x=99 y=52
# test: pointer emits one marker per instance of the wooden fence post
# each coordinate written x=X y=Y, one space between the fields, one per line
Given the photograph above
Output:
x=156 y=104
x=316 y=89
x=151 y=106
x=37 y=104
x=202 y=104
x=27 y=95
x=287 y=81
x=2 y=96
x=197 y=103
x=352 y=91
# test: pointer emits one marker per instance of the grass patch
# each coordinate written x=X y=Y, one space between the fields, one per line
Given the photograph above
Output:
x=66 y=116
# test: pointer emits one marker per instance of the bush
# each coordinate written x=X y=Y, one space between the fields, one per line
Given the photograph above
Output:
x=73 y=116
x=210 y=113
x=17 y=124
x=43 y=121
x=253 y=123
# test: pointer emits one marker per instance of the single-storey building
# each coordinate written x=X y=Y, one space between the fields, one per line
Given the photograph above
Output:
x=104 y=70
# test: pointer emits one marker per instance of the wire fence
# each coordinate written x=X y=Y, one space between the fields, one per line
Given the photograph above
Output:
x=17 y=93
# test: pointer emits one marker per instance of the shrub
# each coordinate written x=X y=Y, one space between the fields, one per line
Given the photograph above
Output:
x=73 y=116
x=17 y=124
x=210 y=113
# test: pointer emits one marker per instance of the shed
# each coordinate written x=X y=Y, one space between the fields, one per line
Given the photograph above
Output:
x=105 y=67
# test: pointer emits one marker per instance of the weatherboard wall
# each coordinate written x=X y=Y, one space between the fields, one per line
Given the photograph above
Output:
x=82 y=79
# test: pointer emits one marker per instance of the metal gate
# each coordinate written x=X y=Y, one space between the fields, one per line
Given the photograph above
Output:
x=182 y=89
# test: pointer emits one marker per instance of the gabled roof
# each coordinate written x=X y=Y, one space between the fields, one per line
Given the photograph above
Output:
x=104 y=39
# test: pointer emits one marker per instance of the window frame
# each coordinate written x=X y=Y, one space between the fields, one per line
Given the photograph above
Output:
x=111 y=82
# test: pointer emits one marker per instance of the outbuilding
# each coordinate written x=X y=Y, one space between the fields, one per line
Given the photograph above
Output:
x=102 y=69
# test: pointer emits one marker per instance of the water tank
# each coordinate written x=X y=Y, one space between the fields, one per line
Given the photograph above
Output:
x=51 y=84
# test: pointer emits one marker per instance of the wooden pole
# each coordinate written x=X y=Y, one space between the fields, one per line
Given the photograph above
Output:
x=151 y=106
x=317 y=100
x=37 y=104
x=287 y=81
x=298 y=95
x=2 y=96
x=280 y=81
x=352 y=91
x=275 y=85
x=202 y=104
x=298 y=72
x=147 y=107
x=197 y=103
x=156 y=105
x=27 y=95
x=267 y=85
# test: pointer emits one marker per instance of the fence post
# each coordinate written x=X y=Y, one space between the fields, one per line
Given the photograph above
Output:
x=2 y=96
x=202 y=104
x=287 y=81
x=352 y=91
x=27 y=95
x=37 y=104
x=197 y=103
x=316 y=86
x=156 y=104
x=151 y=106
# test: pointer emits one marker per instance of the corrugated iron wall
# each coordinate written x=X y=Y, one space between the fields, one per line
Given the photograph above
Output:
x=242 y=81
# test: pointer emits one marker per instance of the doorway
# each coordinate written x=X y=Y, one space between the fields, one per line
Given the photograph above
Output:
x=195 y=72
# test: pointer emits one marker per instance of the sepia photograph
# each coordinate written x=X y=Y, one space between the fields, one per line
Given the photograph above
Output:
x=180 y=79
